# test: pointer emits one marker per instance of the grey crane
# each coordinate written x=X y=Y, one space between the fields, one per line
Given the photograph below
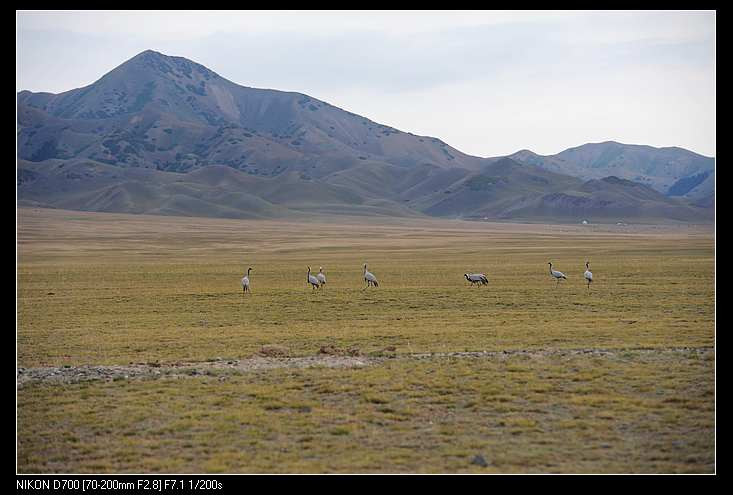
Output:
x=245 y=282
x=476 y=278
x=313 y=280
x=369 y=278
x=588 y=274
x=321 y=276
x=558 y=275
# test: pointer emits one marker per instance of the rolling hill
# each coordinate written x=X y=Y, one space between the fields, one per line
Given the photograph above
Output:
x=165 y=135
x=672 y=171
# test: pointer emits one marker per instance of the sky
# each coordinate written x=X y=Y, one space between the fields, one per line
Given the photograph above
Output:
x=488 y=83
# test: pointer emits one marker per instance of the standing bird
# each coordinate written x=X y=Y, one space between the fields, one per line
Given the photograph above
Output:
x=321 y=276
x=476 y=278
x=557 y=275
x=588 y=274
x=369 y=278
x=313 y=280
x=245 y=281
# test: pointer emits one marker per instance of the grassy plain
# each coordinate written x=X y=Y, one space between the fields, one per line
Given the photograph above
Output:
x=117 y=289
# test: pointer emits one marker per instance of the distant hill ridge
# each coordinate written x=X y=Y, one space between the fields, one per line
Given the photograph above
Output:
x=165 y=135
x=668 y=170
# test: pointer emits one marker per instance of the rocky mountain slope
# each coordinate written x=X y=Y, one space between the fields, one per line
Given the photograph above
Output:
x=165 y=135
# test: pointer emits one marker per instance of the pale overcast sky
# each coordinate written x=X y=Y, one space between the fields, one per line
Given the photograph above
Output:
x=488 y=83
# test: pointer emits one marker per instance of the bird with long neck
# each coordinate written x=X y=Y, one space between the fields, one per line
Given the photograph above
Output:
x=313 y=280
x=321 y=276
x=476 y=278
x=369 y=278
x=558 y=275
x=245 y=282
x=588 y=274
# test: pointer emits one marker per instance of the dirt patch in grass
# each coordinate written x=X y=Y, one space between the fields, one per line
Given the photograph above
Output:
x=221 y=368
x=73 y=374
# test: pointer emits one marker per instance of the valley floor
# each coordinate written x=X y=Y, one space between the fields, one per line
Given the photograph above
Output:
x=138 y=352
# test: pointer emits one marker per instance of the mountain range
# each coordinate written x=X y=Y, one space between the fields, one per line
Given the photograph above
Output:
x=673 y=171
x=165 y=135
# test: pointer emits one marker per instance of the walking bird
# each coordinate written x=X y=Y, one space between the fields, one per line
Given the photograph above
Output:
x=557 y=275
x=245 y=281
x=476 y=278
x=313 y=280
x=588 y=274
x=321 y=276
x=369 y=278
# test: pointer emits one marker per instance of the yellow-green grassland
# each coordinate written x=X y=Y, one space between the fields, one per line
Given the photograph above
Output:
x=618 y=378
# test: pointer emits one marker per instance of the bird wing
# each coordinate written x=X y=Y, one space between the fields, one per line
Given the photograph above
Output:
x=588 y=275
x=370 y=276
x=321 y=277
x=312 y=279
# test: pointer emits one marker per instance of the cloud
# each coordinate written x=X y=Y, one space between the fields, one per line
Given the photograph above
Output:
x=182 y=25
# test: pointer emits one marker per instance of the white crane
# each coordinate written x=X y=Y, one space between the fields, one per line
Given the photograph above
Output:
x=321 y=276
x=558 y=275
x=369 y=278
x=476 y=278
x=313 y=280
x=588 y=274
x=245 y=282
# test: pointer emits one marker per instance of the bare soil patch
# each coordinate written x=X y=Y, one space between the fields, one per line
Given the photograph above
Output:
x=220 y=367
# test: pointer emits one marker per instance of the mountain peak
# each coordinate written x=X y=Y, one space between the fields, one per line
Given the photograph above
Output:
x=167 y=65
x=524 y=152
x=151 y=52
x=145 y=56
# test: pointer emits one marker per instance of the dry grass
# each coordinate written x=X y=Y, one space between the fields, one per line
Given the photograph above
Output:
x=644 y=413
x=131 y=288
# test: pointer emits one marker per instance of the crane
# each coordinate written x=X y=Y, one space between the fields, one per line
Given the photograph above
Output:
x=558 y=275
